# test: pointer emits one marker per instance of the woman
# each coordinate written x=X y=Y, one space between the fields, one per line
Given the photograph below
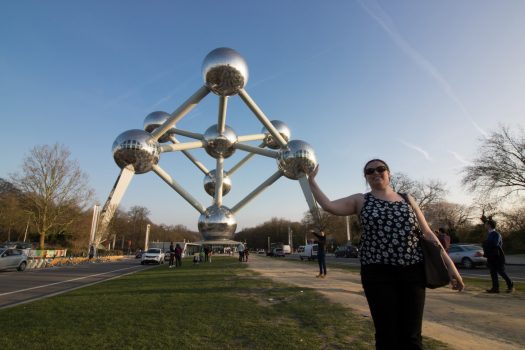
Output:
x=392 y=271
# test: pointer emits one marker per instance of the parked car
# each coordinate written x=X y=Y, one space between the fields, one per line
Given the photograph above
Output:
x=346 y=251
x=261 y=251
x=12 y=259
x=153 y=255
x=138 y=254
x=467 y=255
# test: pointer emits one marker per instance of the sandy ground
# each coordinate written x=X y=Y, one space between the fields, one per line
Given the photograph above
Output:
x=467 y=320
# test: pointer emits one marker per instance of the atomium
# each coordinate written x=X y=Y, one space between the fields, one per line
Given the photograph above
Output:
x=282 y=128
x=136 y=149
x=225 y=73
x=210 y=181
x=217 y=223
x=220 y=144
x=156 y=119
x=297 y=159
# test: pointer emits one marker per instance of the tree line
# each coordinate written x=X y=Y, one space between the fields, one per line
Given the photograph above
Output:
x=49 y=201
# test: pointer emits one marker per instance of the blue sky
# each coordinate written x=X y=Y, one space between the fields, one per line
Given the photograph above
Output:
x=416 y=83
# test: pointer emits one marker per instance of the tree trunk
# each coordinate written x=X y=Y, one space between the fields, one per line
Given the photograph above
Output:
x=42 y=239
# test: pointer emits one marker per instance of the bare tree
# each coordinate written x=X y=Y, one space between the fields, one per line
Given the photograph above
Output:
x=500 y=166
x=402 y=183
x=425 y=193
x=54 y=187
x=448 y=215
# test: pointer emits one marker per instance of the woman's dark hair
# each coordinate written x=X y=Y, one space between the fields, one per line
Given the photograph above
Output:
x=375 y=160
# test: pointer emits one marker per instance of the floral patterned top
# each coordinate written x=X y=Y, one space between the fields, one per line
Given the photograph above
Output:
x=390 y=233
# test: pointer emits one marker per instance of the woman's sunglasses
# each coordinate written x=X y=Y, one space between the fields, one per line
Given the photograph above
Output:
x=380 y=169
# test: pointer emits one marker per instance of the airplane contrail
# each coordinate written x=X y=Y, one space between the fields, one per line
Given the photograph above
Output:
x=381 y=17
x=417 y=148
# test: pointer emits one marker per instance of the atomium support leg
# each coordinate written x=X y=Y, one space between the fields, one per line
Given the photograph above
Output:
x=180 y=190
x=181 y=112
x=112 y=203
x=262 y=117
x=267 y=183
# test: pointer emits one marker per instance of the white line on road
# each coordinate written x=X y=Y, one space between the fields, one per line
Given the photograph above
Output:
x=71 y=280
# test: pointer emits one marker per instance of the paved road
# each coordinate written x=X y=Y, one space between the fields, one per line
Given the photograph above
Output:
x=21 y=287
x=516 y=272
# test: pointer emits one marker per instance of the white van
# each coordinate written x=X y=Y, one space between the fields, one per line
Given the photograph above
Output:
x=287 y=249
x=310 y=252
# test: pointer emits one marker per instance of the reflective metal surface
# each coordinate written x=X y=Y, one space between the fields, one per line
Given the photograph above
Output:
x=217 y=223
x=297 y=159
x=136 y=148
x=210 y=180
x=224 y=71
x=282 y=128
x=156 y=119
x=220 y=145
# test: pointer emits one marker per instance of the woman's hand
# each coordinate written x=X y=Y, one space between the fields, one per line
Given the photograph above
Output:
x=456 y=281
x=313 y=174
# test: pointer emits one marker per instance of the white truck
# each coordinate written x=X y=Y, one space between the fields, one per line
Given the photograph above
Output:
x=309 y=252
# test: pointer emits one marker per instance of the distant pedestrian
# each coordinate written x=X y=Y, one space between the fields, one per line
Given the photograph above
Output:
x=444 y=238
x=240 y=249
x=246 y=254
x=207 y=254
x=172 y=255
x=91 y=252
x=493 y=250
x=178 y=255
x=321 y=255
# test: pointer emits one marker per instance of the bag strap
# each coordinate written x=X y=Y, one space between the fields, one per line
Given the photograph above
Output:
x=409 y=202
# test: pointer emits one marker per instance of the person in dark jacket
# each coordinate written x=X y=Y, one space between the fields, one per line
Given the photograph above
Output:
x=493 y=250
x=172 y=255
x=321 y=256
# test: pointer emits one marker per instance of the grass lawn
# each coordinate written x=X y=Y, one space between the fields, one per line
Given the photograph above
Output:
x=221 y=305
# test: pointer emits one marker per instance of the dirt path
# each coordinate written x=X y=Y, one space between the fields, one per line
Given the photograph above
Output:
x=467 y=320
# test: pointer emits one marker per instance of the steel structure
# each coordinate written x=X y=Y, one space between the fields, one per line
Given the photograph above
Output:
x=138 y=151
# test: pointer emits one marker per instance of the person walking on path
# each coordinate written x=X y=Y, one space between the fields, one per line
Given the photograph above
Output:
x=206 y=254
x=392 y=272
x=172 y=255
x=240 y=249
x=493 y=251
x=178 y=255
x=321 y=255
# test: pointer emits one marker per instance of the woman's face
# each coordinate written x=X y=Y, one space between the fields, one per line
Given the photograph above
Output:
x=377 y=175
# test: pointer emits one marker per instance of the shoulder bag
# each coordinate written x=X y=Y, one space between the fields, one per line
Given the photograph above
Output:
x=436 y=272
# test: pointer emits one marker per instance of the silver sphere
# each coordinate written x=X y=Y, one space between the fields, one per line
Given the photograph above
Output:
x=297 y=159
x=209 y=183
x=156 y=119
x=217 y=223
x=225 y=71
x=220 y=145
x=282 y=128
x=136 y=148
